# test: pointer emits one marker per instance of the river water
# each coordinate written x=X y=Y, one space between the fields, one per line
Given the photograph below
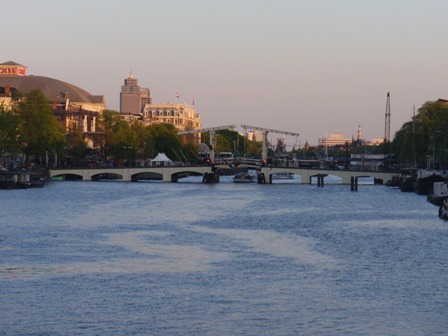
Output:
x=98 y=258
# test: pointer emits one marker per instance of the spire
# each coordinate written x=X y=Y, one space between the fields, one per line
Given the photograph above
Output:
x=359 y=133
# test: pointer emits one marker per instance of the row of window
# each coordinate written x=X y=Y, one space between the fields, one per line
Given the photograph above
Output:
x=164 y=113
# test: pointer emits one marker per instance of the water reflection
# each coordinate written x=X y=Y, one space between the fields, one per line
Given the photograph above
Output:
x=301 y=249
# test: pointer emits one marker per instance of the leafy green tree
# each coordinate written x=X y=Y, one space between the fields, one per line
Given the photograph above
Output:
x=190 y=151
x=120 y=139
x=163 y=138
x=76 y=146
x=254 y=148
x=125 y=145
x=222 y=143
x=9 y=131
x=424 y=136
x=141 y=133
x=39 y=131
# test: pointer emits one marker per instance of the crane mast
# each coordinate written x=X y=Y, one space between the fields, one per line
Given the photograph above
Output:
x=387 y=132
x=387 y=120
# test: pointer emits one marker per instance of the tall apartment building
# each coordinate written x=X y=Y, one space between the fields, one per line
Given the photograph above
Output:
x=132 y=97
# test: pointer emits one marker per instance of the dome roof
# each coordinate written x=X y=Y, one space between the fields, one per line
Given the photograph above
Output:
x=54 y=89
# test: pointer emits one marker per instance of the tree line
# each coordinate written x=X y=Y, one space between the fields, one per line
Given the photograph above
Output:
x=29 y=129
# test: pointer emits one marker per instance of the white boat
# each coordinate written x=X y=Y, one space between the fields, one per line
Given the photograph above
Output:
x=244 y=178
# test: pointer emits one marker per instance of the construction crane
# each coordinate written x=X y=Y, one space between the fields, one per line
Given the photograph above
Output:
x=212 y=131
x=387 y=120
x=387 y=132
x=264 y=154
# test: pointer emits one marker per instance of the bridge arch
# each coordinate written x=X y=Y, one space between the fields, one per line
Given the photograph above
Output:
x=67 y=177
x=106 y=177
x=186 y=173
x=147 y=176
x=167 y=174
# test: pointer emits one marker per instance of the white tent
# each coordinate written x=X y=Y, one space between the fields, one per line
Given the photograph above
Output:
x=161 y=157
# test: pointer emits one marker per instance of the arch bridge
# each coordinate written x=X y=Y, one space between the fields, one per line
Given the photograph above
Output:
x=165 y=173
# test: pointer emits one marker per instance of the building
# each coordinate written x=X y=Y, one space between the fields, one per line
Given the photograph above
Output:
x=336 y=139
x=182 y=116
x=255 y=136
x=73 y=106
x=376 y=141
x=12 y=69
x=132 y=97
x=136 y=103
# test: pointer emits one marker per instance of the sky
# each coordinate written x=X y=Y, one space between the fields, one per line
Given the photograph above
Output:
x=309 y=67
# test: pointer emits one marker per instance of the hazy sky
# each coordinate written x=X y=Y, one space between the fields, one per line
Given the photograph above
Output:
x=311 y=67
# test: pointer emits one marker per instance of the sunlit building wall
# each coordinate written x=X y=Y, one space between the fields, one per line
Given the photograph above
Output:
x=182 y=116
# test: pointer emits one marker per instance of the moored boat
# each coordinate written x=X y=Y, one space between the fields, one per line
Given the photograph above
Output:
x=14 y=179
x=407 y=180
x=425 y=180
x=439 y=193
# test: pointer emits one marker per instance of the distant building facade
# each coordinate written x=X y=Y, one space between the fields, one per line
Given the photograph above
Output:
x=133 y=98
x=255 y=136
x=136 y=104
x=73 y=106
x=182 y=116
x=336 y=139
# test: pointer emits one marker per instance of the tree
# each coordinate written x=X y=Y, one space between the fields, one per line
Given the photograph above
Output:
x=424 y=136
x=76 y=146
x=39 y=131
x=163 y=138
x=120 y=139
x=140 y=132
x=9 y=126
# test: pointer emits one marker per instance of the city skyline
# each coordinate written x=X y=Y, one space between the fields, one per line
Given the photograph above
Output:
x=312 y=68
